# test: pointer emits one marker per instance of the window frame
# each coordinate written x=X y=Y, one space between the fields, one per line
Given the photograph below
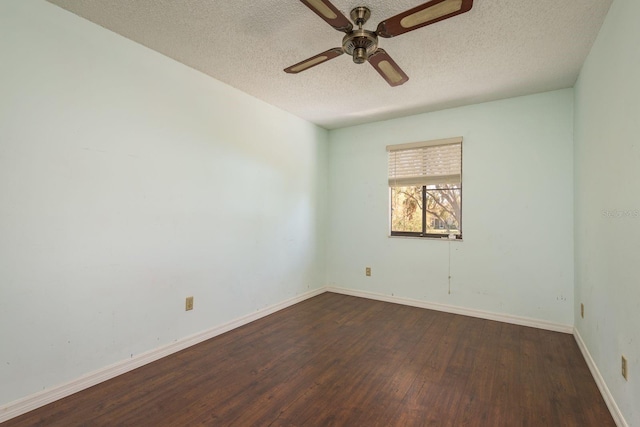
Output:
x=424 y=234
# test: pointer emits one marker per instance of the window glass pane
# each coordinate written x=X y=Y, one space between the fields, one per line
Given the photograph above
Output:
x=406 y=209
x=443 y=209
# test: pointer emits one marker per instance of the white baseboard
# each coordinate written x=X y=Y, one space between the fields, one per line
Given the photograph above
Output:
x=604 y=390
x=500 y=317
x=44 y=397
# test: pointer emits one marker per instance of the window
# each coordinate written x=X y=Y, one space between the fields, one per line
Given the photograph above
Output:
x=425 y=182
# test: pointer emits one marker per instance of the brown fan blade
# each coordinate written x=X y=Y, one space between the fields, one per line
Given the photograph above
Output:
x=425 y=14
x=387 y=67
x=314 y=60
x=327 y=11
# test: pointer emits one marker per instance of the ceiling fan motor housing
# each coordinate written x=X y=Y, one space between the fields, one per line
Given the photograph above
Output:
x=360 y=44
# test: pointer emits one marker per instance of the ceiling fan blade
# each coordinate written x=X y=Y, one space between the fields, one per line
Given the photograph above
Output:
x=327 y=11
x=425 y=14
x=387 y=67
x=314 y=60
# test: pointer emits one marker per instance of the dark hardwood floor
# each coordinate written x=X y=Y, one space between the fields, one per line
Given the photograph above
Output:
x=346 y=361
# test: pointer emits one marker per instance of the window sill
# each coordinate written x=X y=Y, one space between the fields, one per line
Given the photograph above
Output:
x=444 y=238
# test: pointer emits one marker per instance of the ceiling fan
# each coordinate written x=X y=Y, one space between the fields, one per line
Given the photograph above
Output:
x=362 y=44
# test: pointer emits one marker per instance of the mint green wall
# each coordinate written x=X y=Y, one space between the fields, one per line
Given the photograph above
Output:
x=111 y=210
x=517 y=253
x=607 y=203
x=128 y=182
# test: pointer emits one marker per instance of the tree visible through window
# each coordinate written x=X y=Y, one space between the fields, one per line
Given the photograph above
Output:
x=427 y=209
x=425 y=181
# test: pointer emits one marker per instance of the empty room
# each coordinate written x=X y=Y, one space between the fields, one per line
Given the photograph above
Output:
x=319 y=212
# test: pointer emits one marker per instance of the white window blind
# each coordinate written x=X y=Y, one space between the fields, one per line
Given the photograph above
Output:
x=426 y=163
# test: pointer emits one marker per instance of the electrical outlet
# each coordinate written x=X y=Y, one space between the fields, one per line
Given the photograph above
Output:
x=582 y=310
x=367 y=271
x=188 y=305
x=624 y=368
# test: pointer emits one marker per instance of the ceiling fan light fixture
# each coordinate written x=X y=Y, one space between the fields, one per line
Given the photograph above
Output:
x=322 y=9
x=360 y=55
x=360 y=44
x=426 y=15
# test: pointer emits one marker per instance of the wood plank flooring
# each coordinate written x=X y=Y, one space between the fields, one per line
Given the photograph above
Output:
x=336 y=360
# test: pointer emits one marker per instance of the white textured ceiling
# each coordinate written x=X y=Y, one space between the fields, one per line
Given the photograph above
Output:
x=500 y=49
